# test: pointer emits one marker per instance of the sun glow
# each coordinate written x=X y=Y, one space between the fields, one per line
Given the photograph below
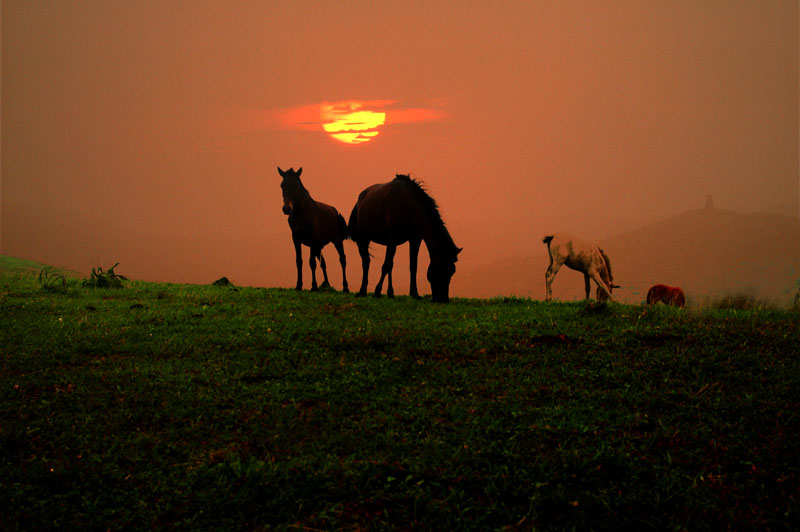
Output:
x=350 y=123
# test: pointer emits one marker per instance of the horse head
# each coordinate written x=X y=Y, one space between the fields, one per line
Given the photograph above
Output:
x=601 y=296
x=291 y=187
x=440 y=271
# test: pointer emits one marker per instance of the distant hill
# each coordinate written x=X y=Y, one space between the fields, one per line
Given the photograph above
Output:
x=707 y=251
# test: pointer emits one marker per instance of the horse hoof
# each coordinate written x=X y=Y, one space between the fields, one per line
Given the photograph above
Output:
x=345 y=290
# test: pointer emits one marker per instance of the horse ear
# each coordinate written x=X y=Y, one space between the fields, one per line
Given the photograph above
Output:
x=283 y=174
x=299 y=171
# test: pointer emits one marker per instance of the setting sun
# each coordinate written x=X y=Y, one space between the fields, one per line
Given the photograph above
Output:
x=350 y=122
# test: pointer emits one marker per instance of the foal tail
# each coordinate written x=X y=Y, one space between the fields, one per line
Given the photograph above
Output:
x=546 y=240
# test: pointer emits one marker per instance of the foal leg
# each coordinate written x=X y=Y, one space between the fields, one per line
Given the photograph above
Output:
x=588 y=285
x=601 y=285
x=363 y=250
x=413 y=255
x=386 y=269
x=549 y=275
x=343 y=262
x=299 y=262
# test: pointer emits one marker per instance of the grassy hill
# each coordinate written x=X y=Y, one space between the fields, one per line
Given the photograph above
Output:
x=708 y=252
x=14 y=265
x=216 y=408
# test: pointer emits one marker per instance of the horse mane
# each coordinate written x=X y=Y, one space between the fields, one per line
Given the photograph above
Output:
x=608 y=264
x=427 y=201
x=303 y=191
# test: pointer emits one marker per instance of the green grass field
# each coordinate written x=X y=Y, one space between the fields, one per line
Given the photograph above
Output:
x=185 y=407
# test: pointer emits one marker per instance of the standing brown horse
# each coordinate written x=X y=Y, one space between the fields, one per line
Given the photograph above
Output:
x=397 y=212
x=313 y=224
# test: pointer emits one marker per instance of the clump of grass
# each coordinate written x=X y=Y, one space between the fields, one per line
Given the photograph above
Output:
x=52 y=281
x=593 y=308
x=739 y=301
x=105 y=278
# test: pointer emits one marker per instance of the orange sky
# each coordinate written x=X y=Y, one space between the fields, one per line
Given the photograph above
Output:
x=149 y=132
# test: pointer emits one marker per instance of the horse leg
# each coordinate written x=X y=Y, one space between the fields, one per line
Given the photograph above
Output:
x=390 y=259
x=312 y=260
x=343 y=262
x=363 y=250
x=413 y=255
x=601 y=285
x=325 y=283
x=587 y=281
x=299 y=262
x=386 y=269
x=549 y=275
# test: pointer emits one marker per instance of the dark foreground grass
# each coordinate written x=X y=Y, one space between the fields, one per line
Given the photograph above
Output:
x=214 y=408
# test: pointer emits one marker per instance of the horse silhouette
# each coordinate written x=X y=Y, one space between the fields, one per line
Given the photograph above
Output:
x=397 y=212
x=314 y=224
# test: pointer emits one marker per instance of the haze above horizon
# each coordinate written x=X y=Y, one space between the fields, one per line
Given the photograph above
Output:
x=170 y=118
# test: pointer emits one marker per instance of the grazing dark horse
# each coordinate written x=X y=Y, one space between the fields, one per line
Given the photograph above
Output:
x=669 y=295
x=397 y=212
x=313 y=224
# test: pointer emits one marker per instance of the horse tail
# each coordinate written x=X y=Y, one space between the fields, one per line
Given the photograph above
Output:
x=352 y=223
x=343 y=229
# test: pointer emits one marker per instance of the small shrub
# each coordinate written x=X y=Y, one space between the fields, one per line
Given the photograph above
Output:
x=105 y=279
x=51 y=280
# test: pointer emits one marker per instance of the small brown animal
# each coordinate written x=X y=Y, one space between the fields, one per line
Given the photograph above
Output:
x=669 y=295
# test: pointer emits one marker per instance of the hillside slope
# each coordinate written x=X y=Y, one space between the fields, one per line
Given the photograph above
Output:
x=16 y=265
x=706 y=251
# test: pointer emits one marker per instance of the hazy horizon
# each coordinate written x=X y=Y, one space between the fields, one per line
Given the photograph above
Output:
x=149 y=127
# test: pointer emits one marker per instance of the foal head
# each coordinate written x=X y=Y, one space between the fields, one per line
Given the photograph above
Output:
x=606 y=276
x=291 y=187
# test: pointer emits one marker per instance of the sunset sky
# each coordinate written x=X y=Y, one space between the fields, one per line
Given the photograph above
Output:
x=150 y=132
